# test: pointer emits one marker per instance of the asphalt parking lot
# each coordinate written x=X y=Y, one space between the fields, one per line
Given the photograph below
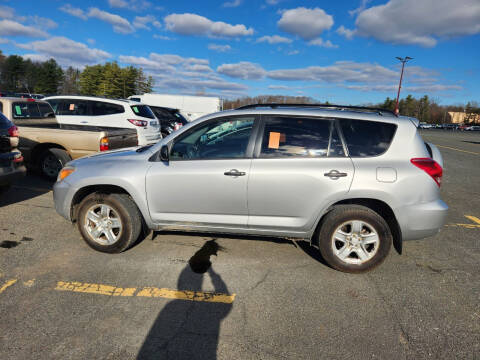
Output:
x=259 y=299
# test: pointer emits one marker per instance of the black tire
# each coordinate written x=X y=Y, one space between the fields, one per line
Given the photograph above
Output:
x=127 y=212
x=344 y=214
x=52 y=161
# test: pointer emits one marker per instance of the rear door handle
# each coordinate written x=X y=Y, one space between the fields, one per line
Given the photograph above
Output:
x=335 y=174
x=234 y=172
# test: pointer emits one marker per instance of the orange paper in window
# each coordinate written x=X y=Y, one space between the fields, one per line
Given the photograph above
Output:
x=274 y=140
x=71 y=107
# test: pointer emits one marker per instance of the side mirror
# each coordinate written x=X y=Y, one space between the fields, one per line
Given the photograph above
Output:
x=164 y=153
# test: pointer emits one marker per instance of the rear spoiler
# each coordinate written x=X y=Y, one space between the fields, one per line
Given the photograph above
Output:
x=415 y=121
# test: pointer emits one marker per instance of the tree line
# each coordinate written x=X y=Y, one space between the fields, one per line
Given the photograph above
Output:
x=19 y=75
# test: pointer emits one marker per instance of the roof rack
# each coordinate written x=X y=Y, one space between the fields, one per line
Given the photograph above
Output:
x=323 y=106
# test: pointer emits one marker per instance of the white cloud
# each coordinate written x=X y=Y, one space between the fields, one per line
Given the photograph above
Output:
x=135 y=5
x=242 y=70
x=293 y=52
x=4 y=41
x=142 y=22
x=120 y=24
x=274 y=39
x=161 y=37
x=193 y=24
x=180 y=74
x=419 y=22
x=272 y=2
x=363 y=6
x=43 y=23
x=7 y=12
x=233 y=3
x=342 y=30
x=306 y=23
x=278 y=87
x=65 y=51
x=13 y=28
x=320 y=42
x=219 y=48
x=69 y=9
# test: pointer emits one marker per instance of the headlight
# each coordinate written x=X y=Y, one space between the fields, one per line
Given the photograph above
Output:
x=66 y=171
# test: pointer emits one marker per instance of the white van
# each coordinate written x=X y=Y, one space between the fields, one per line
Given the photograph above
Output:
x=191 y=107
x=102 y=112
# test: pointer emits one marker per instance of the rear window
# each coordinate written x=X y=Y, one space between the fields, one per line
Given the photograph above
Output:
x=143 y=111
x=367 y=138
x=31 y=110
x=168 y=117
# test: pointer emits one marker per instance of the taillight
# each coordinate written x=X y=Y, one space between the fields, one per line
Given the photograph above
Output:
x=13 y=131
x=135 y=122
x=30 y=100
x=104 y=144
x=18 y=158
x=431 y=167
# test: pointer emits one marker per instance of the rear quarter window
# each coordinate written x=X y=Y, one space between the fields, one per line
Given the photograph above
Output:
x=143 y=111
x=367 y=138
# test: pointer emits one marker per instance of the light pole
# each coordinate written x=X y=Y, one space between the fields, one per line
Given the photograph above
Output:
x=403 y=61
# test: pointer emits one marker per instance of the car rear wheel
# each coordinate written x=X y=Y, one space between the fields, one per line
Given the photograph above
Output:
x=354 y=238
x=52 y=161
x=109 y=223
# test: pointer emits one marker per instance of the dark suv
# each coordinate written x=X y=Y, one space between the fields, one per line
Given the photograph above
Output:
x=170 y=119
x=11 y=160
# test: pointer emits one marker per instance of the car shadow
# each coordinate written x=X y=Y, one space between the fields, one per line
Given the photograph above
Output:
x=471 y=142
x=189 y=329
x=25 y=188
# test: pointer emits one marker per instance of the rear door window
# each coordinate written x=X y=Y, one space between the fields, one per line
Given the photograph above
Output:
x=299 y=137
x=143 y=111
x=105 y=108
x=367 y=138
x=75 y=107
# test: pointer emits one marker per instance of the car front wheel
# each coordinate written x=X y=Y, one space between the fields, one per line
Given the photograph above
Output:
x=109 y=223
x=354 y=238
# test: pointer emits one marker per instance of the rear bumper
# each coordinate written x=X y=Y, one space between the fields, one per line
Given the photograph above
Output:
x=10 y=176
x=421 y=220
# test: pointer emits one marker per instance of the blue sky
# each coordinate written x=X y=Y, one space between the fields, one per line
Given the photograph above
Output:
x=341 y=51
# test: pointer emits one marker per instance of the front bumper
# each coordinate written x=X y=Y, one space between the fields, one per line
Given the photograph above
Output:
x=62 y=197
x=421 y=220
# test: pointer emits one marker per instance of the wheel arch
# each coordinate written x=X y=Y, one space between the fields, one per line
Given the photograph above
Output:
x=39 y=149
x=85 y=191
x=379 y=206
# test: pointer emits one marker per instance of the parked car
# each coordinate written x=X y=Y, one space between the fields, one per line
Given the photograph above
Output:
x=11 y=160
x=425 y=126
x=48 y=146
x=170 y=119
x=94 y=111
x=349 y=180
x=473 y=128
x=190 y=106
x=30 y=96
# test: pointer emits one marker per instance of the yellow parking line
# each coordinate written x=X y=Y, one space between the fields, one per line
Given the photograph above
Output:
x=109 y=290
x=452 y=148
x=7 y=284
x=473 y=218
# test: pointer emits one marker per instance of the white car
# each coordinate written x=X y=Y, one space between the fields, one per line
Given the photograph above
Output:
x=97 y=111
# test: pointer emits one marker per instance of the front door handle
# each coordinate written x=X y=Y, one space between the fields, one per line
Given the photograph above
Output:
x=335 y=174
x=234 y=172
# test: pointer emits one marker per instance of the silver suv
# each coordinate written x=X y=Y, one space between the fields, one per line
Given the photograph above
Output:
x=349 y=180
